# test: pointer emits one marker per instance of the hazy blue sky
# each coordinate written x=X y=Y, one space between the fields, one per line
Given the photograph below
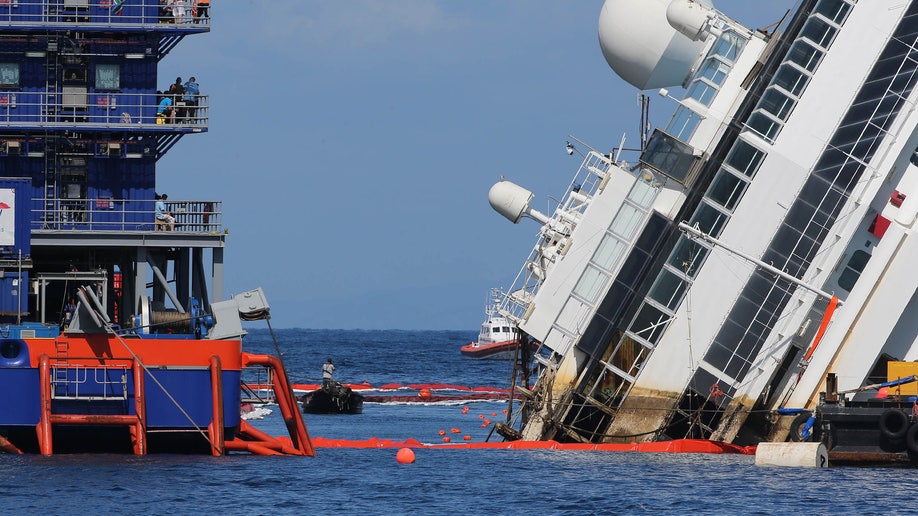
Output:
x=353 y=143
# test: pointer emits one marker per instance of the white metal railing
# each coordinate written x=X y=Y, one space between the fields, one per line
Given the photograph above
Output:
x=78 y=382
x=587 y=181
x=77 y=106
x=100 y=12
x=105 y=214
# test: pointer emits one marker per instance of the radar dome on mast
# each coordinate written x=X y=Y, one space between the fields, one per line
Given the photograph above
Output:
x=512 y=201
x=695 y=19
x=644 y=48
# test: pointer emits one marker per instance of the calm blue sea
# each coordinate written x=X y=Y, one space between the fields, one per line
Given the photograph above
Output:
x=349 y=481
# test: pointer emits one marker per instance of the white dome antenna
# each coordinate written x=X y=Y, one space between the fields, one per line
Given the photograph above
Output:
x=641 y=45
x=512 y=201
x=695 y=20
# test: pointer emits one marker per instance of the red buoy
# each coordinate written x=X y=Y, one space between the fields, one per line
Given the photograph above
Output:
x=442 y=433
x=455 y=430
x=446 y=439
x=405 y=456
x=467 y=437
x=424 y=393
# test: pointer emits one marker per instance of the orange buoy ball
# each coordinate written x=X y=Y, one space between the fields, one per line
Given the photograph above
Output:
x=467 y=437
x=405 y=456
x=480 y=416
x=424 y=393
x=487 y=421
x=455 y=430
x=484 y=425
x=442 y=433
x=505 y=411
x=446 y=439
x=493 y=414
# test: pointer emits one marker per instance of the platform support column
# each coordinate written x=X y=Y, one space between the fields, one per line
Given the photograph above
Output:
x=215 y=428
x=44 y=425
x=139 y=428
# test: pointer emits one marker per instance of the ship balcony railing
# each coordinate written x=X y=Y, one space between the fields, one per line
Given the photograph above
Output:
x=118 y=215
x=76 y=107
x=91 y=14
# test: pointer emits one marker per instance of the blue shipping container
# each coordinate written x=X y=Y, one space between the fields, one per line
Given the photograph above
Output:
x=13 y=293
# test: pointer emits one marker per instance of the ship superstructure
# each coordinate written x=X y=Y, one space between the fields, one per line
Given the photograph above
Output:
x=790 y=161
x=79 y=143
x=114 y=335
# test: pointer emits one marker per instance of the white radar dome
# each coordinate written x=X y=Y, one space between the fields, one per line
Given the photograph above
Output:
x=642 y=47
x=691 y=18
x=512 y=201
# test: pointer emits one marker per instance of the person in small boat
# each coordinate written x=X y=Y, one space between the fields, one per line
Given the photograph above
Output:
x=328 y=370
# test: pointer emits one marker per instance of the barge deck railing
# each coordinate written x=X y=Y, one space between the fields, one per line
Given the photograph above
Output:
x=106 y=214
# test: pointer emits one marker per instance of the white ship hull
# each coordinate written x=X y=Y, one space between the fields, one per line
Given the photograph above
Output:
x=793 y=149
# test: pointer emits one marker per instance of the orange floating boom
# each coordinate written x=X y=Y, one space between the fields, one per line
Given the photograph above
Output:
x=673 y=446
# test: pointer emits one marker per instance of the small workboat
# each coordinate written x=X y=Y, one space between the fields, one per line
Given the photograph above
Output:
x=333 y=398
x=498 y=338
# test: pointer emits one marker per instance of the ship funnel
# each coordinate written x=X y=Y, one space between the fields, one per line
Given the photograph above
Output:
x=512 y=201
x=692 y=18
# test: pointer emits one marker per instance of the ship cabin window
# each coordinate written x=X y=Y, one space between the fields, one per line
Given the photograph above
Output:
x=506 y=329
x=687 y=256
x=744 y=158
x=714 y=70
x=819 y=31
x=765 y=125
x=74 y=76
x=643 y=193
x=709 y=219
x=791 y=79
x=626 y=222
x=834 y=10
x=729 y=45
x=108 y=77
x=708 y=80
x=776 y=103
x=668 y=289
x=702 y=92
x=9 y=75
x=683 y=123
x=495 y=329
x=609 y=252
x=726 y=189
x=590 y=284
x=805 y=55
x=670 y=156
x=853 y=269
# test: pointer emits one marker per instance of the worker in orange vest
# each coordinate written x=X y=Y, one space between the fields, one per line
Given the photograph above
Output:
x=201 y=8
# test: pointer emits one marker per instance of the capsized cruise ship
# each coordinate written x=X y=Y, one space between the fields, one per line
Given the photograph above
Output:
x=764 y=238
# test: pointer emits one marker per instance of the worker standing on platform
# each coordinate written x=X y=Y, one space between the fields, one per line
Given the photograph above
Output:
x=328 y=370
x=190 y=98
x=202 y=7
